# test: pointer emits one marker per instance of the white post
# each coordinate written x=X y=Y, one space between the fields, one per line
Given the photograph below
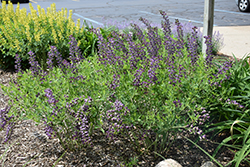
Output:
x=208 y=22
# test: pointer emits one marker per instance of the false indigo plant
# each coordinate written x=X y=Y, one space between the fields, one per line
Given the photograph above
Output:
x=154 y=38
x=60 y=62
x=144 y=85
x=169 y=43
x=180 y=40
x=158 y=68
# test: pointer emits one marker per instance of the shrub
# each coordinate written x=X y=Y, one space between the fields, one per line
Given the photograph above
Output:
x=20 y=33
x=148 y=88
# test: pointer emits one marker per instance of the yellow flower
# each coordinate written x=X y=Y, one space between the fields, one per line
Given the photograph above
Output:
x=53 y=7
x=27 y=32
x=4 y=5
x=60 y=36
x=31 y=7
x=54 y=35
x=18 y=10
x=65 y=12
x=43 y=12
x=37 y=37
x=2 y=40
x=82 y=30
x=78 y=25
x=39 y=10
x=79 y=43
x=70 y=15
x=17 y=45
x=10 y=9
x=72 y=27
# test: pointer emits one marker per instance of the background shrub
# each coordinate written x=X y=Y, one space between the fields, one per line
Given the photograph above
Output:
x=125 y=26
x=37 y=31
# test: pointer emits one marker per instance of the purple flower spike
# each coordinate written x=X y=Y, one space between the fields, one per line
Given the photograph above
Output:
x=35 y=67
x=165 y=24
x=209 y=57
x=74 y=51
x=5 y=120
x=48 y=129
x=9 y=131
x=18 y=63
x=54 y=53
x=193 y=47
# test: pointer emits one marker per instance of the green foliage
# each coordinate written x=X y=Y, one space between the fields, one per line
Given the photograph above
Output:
x=231 y=111
x=31 y=103
x=151 y=108
x=180 y=99
x=37 y=31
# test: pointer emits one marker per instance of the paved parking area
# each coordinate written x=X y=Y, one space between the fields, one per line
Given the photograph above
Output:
x=234 y=25
x=226 y=11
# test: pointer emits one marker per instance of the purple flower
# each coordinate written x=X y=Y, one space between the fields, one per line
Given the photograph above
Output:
x=9 y=131
x=74 y=51
x=115 y=83
x=6 y=120
x=35 y=67
x=114 y=116
x=84 y=128
x=18 y=63
x=177 y=103
x=209 y=54
x=193 y=47
x=49 y=95
x=48 y=129
x=165 y=24
x=138 y=75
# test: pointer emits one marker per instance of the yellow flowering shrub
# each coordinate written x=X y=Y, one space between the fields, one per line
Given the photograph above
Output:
x=37 y=31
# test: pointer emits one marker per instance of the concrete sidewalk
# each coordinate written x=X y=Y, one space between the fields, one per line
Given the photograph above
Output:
x=236 y=40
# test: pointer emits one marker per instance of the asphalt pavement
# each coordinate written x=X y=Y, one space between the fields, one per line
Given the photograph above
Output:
x=232 y=24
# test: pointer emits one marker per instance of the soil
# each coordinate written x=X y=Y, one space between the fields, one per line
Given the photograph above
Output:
x=29 y=145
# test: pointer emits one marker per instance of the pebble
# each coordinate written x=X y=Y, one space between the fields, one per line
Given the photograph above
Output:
x=208 y=164
x=172 y=163
x=168 y=163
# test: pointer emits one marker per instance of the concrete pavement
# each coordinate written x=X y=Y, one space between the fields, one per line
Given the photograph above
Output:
x=236 y=40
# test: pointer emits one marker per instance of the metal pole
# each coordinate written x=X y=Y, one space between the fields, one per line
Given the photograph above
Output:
x=208 y=22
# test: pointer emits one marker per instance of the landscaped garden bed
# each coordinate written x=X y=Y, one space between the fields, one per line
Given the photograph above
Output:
x=102 y=97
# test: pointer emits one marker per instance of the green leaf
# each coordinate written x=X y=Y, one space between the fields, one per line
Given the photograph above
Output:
x=231 y=110
x=243 y=152
x=225 y=141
